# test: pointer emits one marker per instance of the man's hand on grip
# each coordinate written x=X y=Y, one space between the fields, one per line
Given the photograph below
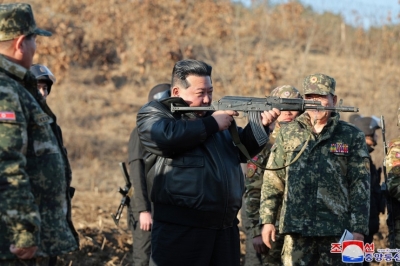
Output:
x=224 y=118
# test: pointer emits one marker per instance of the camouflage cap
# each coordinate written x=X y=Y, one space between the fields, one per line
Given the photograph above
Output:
x=319 y=84
x=286 y=91
x=17 y=19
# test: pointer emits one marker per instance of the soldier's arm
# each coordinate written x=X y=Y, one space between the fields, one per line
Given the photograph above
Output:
x=253 y=183
x=19 y=213
x=393 y=169
x=359 y=187
x=252 y=202
x=137 y=176
x=273 y=184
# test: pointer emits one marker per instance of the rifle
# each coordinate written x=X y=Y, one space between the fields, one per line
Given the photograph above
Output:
x=384 y=188
x=126 y=192
x=252 y=104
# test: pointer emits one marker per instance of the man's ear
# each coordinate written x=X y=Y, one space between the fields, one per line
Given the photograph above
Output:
x=334 y=100
x=19 y=45
x=175 y=92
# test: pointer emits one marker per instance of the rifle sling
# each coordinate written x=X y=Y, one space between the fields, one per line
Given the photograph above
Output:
x=236 y=141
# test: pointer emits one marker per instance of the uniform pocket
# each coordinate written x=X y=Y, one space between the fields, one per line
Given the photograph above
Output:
x=291 y=154
x=341 y=160
x=185 y=175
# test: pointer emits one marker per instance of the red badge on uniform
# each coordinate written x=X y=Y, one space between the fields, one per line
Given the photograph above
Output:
x=251 y=167
x=397 y=155
x=4 y=115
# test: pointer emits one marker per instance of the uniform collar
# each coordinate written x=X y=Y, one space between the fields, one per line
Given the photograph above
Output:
x=22 y=75
x=305 y=120
x=12 y=69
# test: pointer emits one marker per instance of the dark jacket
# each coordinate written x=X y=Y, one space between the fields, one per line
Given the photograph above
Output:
x=136 y=153
x=196 y=174
x=376 y=205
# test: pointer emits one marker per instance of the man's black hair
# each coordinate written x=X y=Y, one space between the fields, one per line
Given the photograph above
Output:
x=184 y=68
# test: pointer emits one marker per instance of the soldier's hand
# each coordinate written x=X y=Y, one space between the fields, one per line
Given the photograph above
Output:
x=224 y=118
x=268 y=234
x=358 y=236
x=23 y=253
x=259 y=245
x=145 y=221
x=268 y=117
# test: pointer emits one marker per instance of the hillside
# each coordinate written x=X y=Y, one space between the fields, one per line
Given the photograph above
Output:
x=106 y=56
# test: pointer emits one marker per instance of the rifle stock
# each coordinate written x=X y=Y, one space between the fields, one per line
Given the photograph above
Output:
x=252 y=104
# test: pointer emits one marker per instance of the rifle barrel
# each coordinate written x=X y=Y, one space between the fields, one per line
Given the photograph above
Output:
x=309 y=107
x=337 y=109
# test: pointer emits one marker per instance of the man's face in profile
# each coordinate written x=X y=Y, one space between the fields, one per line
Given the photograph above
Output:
x=198 y=94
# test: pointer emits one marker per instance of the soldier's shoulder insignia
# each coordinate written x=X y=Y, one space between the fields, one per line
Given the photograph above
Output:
x=367 y=165
x=4 y=115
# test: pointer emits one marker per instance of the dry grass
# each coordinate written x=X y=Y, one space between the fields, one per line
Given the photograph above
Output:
x=106 y=56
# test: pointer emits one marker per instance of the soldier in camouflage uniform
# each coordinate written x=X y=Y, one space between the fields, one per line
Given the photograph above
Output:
x=253 y=183
x=392 y=162
x=324 y=186
x=35 y=176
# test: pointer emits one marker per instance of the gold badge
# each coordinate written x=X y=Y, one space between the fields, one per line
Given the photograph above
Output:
x=251 y=168
x=250 y=171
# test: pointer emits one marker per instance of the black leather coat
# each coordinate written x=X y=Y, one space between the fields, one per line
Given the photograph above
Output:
x=194 y=167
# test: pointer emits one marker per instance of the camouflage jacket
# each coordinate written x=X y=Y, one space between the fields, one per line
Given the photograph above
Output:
x=253 y=183
x=327 y=189
x=35 y=207
x=393 y=169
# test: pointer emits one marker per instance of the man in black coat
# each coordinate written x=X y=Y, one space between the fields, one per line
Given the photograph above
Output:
x=195 y=167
